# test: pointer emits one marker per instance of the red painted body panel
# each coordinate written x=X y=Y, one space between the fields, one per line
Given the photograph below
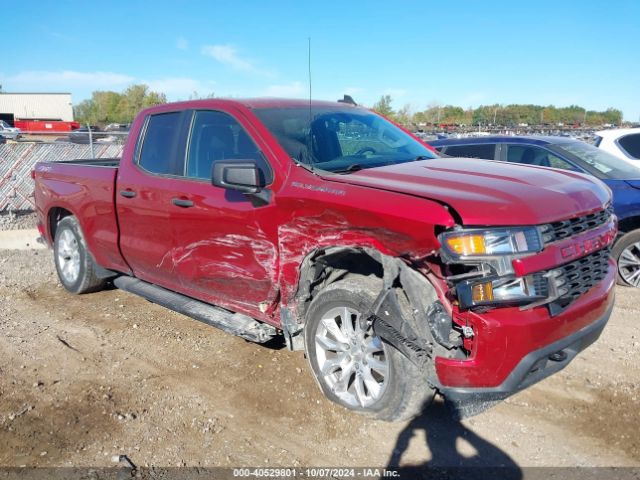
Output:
x=228 y=252
x=491 y=193
x=87 y=192
x=505 y=335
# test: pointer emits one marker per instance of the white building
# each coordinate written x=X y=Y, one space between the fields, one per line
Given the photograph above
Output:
x=36 y=106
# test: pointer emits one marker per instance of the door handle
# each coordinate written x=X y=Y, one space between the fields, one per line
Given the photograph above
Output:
x=128 y=193
x=182 y=202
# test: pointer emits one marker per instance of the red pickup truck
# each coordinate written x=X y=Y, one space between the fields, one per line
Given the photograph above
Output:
x=400 y=274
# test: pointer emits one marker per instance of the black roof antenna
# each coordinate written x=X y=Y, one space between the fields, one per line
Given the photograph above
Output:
x=309 y=70
x=348 y=99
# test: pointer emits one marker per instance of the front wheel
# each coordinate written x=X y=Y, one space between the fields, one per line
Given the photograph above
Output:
x=74 y=264
x=626 y=252
x=352 y=365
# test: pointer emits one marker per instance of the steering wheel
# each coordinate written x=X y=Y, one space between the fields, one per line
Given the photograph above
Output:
x=364 y=150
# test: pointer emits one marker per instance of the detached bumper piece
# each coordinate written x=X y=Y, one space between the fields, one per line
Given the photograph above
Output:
x=534 y=367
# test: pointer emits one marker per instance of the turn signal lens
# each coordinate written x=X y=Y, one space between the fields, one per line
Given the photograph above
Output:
x=482 y=292
x=467 y=245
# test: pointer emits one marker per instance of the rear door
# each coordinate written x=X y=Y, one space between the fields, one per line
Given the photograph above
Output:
x=145 y=197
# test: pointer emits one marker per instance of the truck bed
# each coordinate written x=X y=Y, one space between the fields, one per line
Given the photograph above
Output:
x=84 y=188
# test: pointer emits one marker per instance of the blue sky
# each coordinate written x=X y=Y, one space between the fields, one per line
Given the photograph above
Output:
x=464 y=53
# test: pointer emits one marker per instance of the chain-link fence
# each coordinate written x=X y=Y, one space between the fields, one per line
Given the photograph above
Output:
x=18 y=159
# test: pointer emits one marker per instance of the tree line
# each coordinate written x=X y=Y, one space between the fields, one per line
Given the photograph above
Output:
x=497 y=114
x=112 y=107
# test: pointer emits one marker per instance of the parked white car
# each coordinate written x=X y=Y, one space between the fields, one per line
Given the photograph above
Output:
x=622 y=142
x=7 y=131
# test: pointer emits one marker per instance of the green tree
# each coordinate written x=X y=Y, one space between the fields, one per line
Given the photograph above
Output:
x=383 y=106
x=404 y=116
x=111 y=107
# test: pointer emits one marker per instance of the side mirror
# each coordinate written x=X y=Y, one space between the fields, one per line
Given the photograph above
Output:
x=243 y=176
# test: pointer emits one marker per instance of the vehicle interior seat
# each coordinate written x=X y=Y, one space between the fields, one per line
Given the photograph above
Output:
x=326 y=144
x=215 y=142
x=292 y=144
x=247 y=150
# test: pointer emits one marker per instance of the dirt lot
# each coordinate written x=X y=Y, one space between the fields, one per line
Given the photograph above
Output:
x=83 y=378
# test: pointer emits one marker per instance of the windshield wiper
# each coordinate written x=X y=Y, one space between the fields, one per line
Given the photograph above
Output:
x=307 y=167
x=354 y=167
x=420 y=157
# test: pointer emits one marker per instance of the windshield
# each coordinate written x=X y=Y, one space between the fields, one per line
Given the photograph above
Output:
x=341 y=139
x=604 y=164
x=4 y=124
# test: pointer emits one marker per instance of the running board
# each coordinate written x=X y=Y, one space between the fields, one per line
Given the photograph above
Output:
x=233 y=323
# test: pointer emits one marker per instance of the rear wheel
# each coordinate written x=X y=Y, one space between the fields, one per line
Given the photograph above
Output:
x=626 y=251
x=74 y=264
x=352 y=365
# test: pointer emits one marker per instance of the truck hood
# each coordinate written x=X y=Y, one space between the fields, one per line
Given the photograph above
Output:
x=490 y=192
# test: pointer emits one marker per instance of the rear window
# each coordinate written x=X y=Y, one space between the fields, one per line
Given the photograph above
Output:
x=486 y=151
x=159 y=153
x=631 y=144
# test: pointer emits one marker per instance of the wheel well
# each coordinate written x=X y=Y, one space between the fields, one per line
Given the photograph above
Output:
x=629 y=224
x=325 y=267
x=55 y=215
x=396 y=279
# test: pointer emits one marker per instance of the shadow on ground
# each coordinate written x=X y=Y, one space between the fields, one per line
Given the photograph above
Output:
x=443 y=433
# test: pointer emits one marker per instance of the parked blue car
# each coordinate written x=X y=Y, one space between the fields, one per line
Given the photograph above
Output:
x=561 y=152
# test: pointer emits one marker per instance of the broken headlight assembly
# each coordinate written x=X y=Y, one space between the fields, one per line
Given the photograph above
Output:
x=484 y=256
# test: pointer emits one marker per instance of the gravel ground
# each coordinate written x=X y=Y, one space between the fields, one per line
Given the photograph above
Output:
x=83 y=378
x=17 y=221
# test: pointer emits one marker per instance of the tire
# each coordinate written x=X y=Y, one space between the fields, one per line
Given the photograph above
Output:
x=74 y=263
x=626 y=252
x=402 y=390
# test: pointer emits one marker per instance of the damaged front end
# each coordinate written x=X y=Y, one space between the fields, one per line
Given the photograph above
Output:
x=479 y=264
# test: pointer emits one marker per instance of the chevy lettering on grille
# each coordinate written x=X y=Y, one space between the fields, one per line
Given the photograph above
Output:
x=586 y=246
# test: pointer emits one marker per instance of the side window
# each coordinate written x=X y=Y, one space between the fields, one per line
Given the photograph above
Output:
x=161 y=152
x=631 y=144
x=217 y=136
x=530 y=155
x=487 y=151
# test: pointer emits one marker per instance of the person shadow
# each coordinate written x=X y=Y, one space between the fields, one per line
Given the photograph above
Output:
x=442 y=431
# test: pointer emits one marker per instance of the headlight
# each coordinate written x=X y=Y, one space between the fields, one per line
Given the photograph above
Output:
x=477 y=243
x=486 y=255
x=505 y=291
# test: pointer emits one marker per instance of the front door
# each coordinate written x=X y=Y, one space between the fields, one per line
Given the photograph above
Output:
x=224 y=247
